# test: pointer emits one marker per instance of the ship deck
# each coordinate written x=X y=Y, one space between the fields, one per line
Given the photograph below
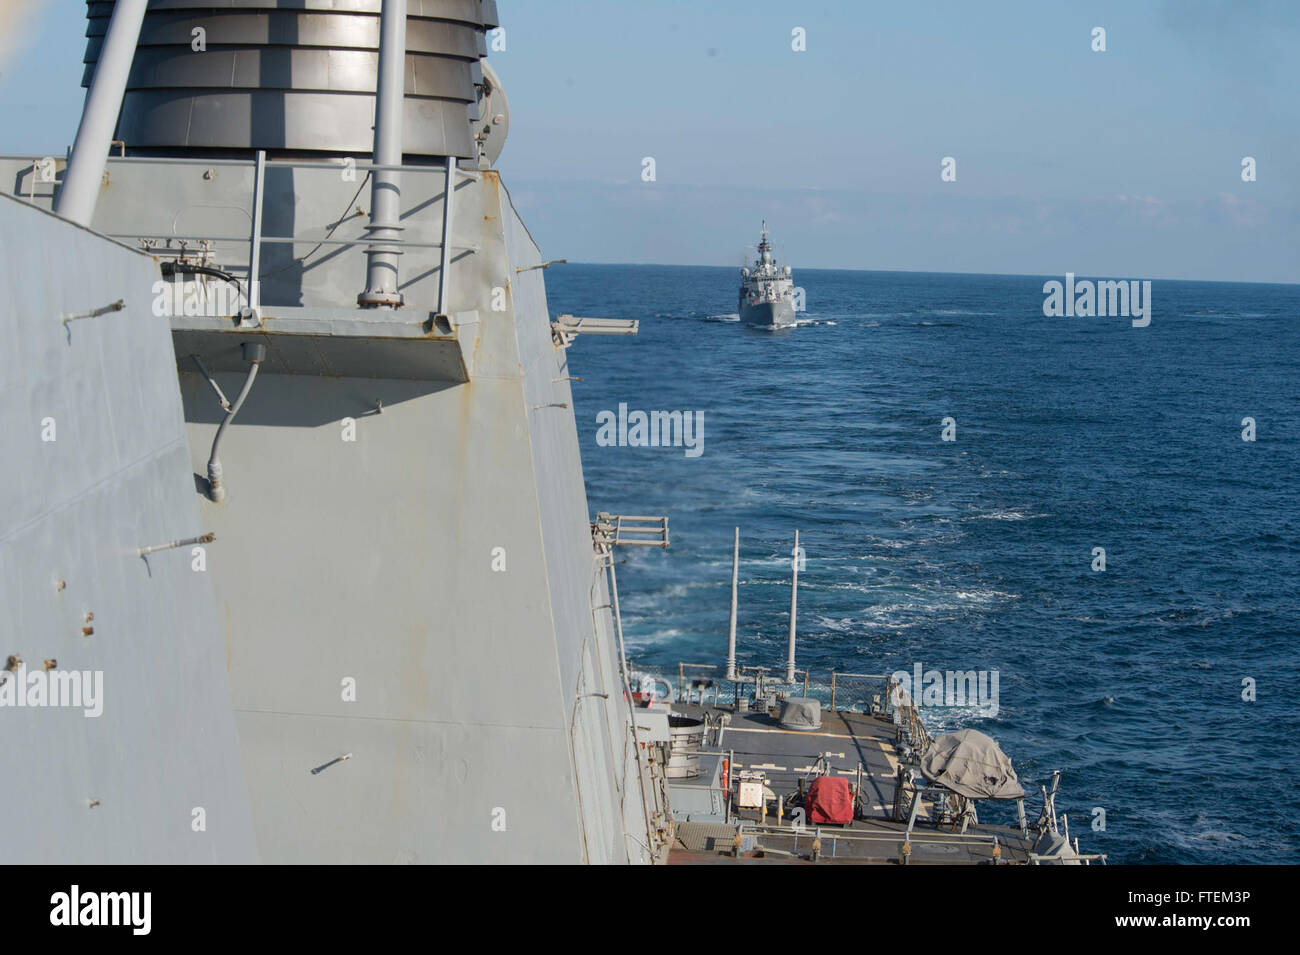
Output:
x=851 y=742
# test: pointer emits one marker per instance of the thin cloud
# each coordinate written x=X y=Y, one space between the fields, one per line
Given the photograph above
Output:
x=14 y=18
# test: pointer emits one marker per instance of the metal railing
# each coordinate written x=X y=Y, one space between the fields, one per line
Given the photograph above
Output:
x=838 y=690
x=832 y=836
x=259 y=168
x=878 y=693
x=858 y=688
x=629 y=530
x=907 y=715
x=260 y=164
x=203 y=245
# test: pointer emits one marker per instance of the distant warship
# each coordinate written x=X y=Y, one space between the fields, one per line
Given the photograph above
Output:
x=766 y=290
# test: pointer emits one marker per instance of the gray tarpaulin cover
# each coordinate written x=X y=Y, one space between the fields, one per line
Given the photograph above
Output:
x=970 y=763
x=801 y=713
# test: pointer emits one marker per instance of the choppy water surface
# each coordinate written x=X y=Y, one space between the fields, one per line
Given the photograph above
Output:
x=1072 y=433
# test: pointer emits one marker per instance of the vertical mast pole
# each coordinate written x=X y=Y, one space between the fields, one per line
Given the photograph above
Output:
x=794 y=604
x=386 y=190
x=80 y=190
x=731 y=629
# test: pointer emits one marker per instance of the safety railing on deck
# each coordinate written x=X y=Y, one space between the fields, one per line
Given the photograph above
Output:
x=879 y=693
x=831 y=837
x=43 y=170
x=906 y=714
x=706 y=683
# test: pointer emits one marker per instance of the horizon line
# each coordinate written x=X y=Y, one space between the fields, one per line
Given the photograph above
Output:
x=1010 y=275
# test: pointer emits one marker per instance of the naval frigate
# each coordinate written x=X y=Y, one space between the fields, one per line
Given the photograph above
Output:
x=766 y=289
x=297 y=557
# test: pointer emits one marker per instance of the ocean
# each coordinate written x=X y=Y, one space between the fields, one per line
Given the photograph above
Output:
x=1071 y=434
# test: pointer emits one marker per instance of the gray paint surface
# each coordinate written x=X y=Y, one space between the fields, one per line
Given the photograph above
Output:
x=477 y=690
x=372 y=560
x=768 y=314
x=76 y=510
x=403 y=590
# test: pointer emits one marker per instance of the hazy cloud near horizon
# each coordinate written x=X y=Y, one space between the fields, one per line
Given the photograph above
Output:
x=1123 y=163
x=1208 y=238
x=15 y=15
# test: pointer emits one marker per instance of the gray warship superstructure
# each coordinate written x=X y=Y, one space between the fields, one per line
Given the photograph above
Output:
x=296 y=554
x=766 y=290
x=311 y=362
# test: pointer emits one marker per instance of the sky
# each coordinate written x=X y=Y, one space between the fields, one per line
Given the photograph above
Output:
x=1122 y=163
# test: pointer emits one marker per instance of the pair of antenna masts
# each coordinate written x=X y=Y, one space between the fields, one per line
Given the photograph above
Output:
x=794 y=604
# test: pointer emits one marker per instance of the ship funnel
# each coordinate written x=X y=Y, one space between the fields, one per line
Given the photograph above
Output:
x=297 y=77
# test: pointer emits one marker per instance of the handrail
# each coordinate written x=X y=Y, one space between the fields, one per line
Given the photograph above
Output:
x=257 y=164
x=905 y=712
x=281 y=239
x=936 y=836
x=827 y=685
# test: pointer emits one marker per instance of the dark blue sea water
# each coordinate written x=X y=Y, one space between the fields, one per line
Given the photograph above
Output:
x=1072 y=433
